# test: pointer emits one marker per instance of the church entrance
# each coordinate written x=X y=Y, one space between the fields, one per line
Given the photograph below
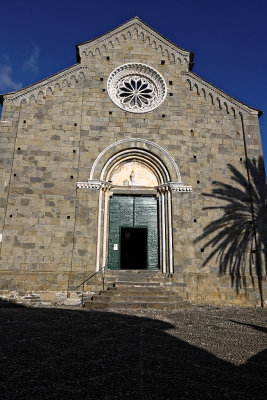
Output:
x=133 y=232
x=133 y=248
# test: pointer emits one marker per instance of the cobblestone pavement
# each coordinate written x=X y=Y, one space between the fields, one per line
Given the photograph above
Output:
x=198 y=353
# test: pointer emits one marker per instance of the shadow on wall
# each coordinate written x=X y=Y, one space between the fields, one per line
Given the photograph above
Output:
x=239 y=236
x=67 y=354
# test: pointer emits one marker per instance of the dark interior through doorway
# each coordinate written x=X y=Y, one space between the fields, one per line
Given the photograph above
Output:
x=133 y=248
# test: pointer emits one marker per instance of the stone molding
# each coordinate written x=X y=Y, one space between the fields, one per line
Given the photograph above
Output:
x=136 y=141
x=135 y=28
x=94 y=184
x=173 y=187
x=40 y=88
x=104 y=185
x=215 y=95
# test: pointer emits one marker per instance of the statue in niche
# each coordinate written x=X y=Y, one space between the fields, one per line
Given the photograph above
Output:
x=126 y=182
x=132 y=175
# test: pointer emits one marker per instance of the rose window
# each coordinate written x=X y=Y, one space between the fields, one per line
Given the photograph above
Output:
x=136 y=93
x=136 y=88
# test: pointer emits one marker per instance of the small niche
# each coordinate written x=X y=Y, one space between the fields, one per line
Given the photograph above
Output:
x=192 y=130
x=74 y=151
x=18 y=148
x=103 y=90
x=71 y=177
x=101 y=79
x=15 y=174
x=195 y=157
x=163 y=115
x=24 y=121
x=171 y=94
x=195 y=220
x=10 y=216
x=110 y=112
x=75 y=123
x=170 y=82
x=202 y=250
x=68 y=217
x=198 y=181
x=241 y=159
x=162 y=62
x=107 y=58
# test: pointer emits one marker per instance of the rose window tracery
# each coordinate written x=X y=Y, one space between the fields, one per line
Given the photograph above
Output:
x=136 y=93
x=136 y=88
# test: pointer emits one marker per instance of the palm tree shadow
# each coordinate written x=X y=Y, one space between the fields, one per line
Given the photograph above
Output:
x=238 y=238
x=256 y=327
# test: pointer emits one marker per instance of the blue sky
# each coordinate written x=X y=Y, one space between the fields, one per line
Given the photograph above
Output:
x=229 y=39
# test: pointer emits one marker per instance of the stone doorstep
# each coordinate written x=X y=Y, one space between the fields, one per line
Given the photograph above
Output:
x=135 y=292
x=136 y=295
x=138 y=306
x=137 y=299
x=137 y=284
x=130 y=275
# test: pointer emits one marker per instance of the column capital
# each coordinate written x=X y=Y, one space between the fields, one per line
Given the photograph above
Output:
x=173 y=187
x=94 y=184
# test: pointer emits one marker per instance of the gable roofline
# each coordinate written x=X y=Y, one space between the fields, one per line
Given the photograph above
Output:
x=201 y=83
x=50 y=82
x=73 y=71
x=132 y=21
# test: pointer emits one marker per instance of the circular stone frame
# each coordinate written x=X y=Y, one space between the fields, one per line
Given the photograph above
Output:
x=136 y=87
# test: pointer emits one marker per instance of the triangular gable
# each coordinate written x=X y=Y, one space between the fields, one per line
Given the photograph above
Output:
x=135 y=27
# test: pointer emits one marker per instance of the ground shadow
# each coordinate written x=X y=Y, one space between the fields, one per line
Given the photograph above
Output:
x=7 y=303
x=258 y=328
x=66 y=354
x=238 y=238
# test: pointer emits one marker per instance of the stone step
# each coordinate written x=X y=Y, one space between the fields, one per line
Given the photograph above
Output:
x=136 y=295
x=133 y=279
x=133 y=276
x=136 y=299
x=137 y=306
x=136 y=284
x=120 y=272
x=135 y=290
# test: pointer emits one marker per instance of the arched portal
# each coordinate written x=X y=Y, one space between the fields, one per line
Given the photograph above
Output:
x=135 y=205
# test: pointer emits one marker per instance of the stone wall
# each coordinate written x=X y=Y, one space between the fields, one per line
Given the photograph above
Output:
x=49 y=143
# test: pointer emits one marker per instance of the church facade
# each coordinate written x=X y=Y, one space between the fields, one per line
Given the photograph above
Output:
x=112 y=164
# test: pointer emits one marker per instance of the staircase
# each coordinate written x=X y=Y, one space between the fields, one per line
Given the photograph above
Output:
x=136 y=290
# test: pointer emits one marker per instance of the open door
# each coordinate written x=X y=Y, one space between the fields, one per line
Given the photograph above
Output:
x=133 y=248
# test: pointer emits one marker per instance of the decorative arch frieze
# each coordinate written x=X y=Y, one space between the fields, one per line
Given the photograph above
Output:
x=216 y=96
x=136 y=29
x=47 y=86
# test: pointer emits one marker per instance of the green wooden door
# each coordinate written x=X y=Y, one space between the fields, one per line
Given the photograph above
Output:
x=135 y=212
x=146 y=215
